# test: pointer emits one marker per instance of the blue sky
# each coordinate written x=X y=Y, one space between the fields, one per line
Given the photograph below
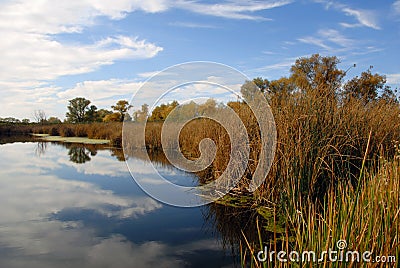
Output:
x=53 y=51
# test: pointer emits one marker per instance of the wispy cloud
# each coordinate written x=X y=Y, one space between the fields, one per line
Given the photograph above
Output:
x=232 y=9
x=186 y=24
x=366 y=18
x=328 y=39
x=314 y=41
x=396 y=7
x=393 y=78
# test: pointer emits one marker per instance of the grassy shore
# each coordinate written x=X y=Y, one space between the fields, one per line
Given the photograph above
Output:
x=104 y=131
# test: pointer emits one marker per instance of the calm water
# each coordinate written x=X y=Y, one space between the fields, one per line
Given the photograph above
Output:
x=69 y=206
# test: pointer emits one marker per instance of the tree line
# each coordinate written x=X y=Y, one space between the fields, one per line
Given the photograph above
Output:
x=314 y=73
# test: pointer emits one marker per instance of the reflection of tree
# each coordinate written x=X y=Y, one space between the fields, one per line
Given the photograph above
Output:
x=80 y=155
x=118 y=153
x=40 y=148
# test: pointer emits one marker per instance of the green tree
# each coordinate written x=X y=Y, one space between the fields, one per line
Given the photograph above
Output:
x=77 y=109
x=121 y=107
x=91 y=114
x=101 y=114
x=262 y=84
x=53 y=120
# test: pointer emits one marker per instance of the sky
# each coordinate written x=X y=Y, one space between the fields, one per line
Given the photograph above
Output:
x=54 y=51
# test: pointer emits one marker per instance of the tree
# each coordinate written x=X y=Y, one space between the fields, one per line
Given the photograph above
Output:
x=248 y=89
x=161 y=112
x=77 y=110
x=25 y=121
x=262 y=84
x=91 y=114
x=121 y=107
x=101 y=114
x=209 y=107
x=365 y=87
x=317 y=73
x=53 y=120
x=389 y=96
x=141 y=115
x=40 y=116
x=113 y=117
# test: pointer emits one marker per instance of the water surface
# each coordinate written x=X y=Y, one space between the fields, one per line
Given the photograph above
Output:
x=74 y=206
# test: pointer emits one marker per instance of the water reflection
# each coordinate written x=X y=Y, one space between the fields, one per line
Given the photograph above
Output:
x=40 y=148
x=61 y=213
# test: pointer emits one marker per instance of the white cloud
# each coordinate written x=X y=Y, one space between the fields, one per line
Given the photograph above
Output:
x=314 y=41
x=393 y=78
x=38 y=57
x=396 y=7
x=192 y=25
x=329 y=40
x=367 y=18
x=364 y=17
x=232 y=9
x=32 y=56
x=101 y=92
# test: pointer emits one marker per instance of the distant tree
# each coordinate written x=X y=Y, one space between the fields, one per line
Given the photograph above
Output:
x=91 y=114
x=10 y=120
x=262 y=84
x=209 y=107
x=366 y=87
x=25 y=121
x=161 y=112
x=317 y=73
x=53 y=120
x=113 y=117
x=101 y=114
x=40 y=116
x=389 y=96
x=121 y=107
x=248 y=89
x=77 y=109
x=141 y=115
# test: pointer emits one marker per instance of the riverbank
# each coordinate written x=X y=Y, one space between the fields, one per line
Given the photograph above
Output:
x=112 y=131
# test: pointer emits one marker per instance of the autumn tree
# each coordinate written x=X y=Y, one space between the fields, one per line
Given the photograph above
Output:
x=365 y=87
x=77 y=109
x=113 y=117
x=317 y=73
x=121 y=107
x=161 y=112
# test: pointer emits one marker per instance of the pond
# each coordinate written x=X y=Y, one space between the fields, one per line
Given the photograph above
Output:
x=74 y=206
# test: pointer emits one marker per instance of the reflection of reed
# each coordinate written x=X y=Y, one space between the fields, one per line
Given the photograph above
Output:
x=230 y=222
